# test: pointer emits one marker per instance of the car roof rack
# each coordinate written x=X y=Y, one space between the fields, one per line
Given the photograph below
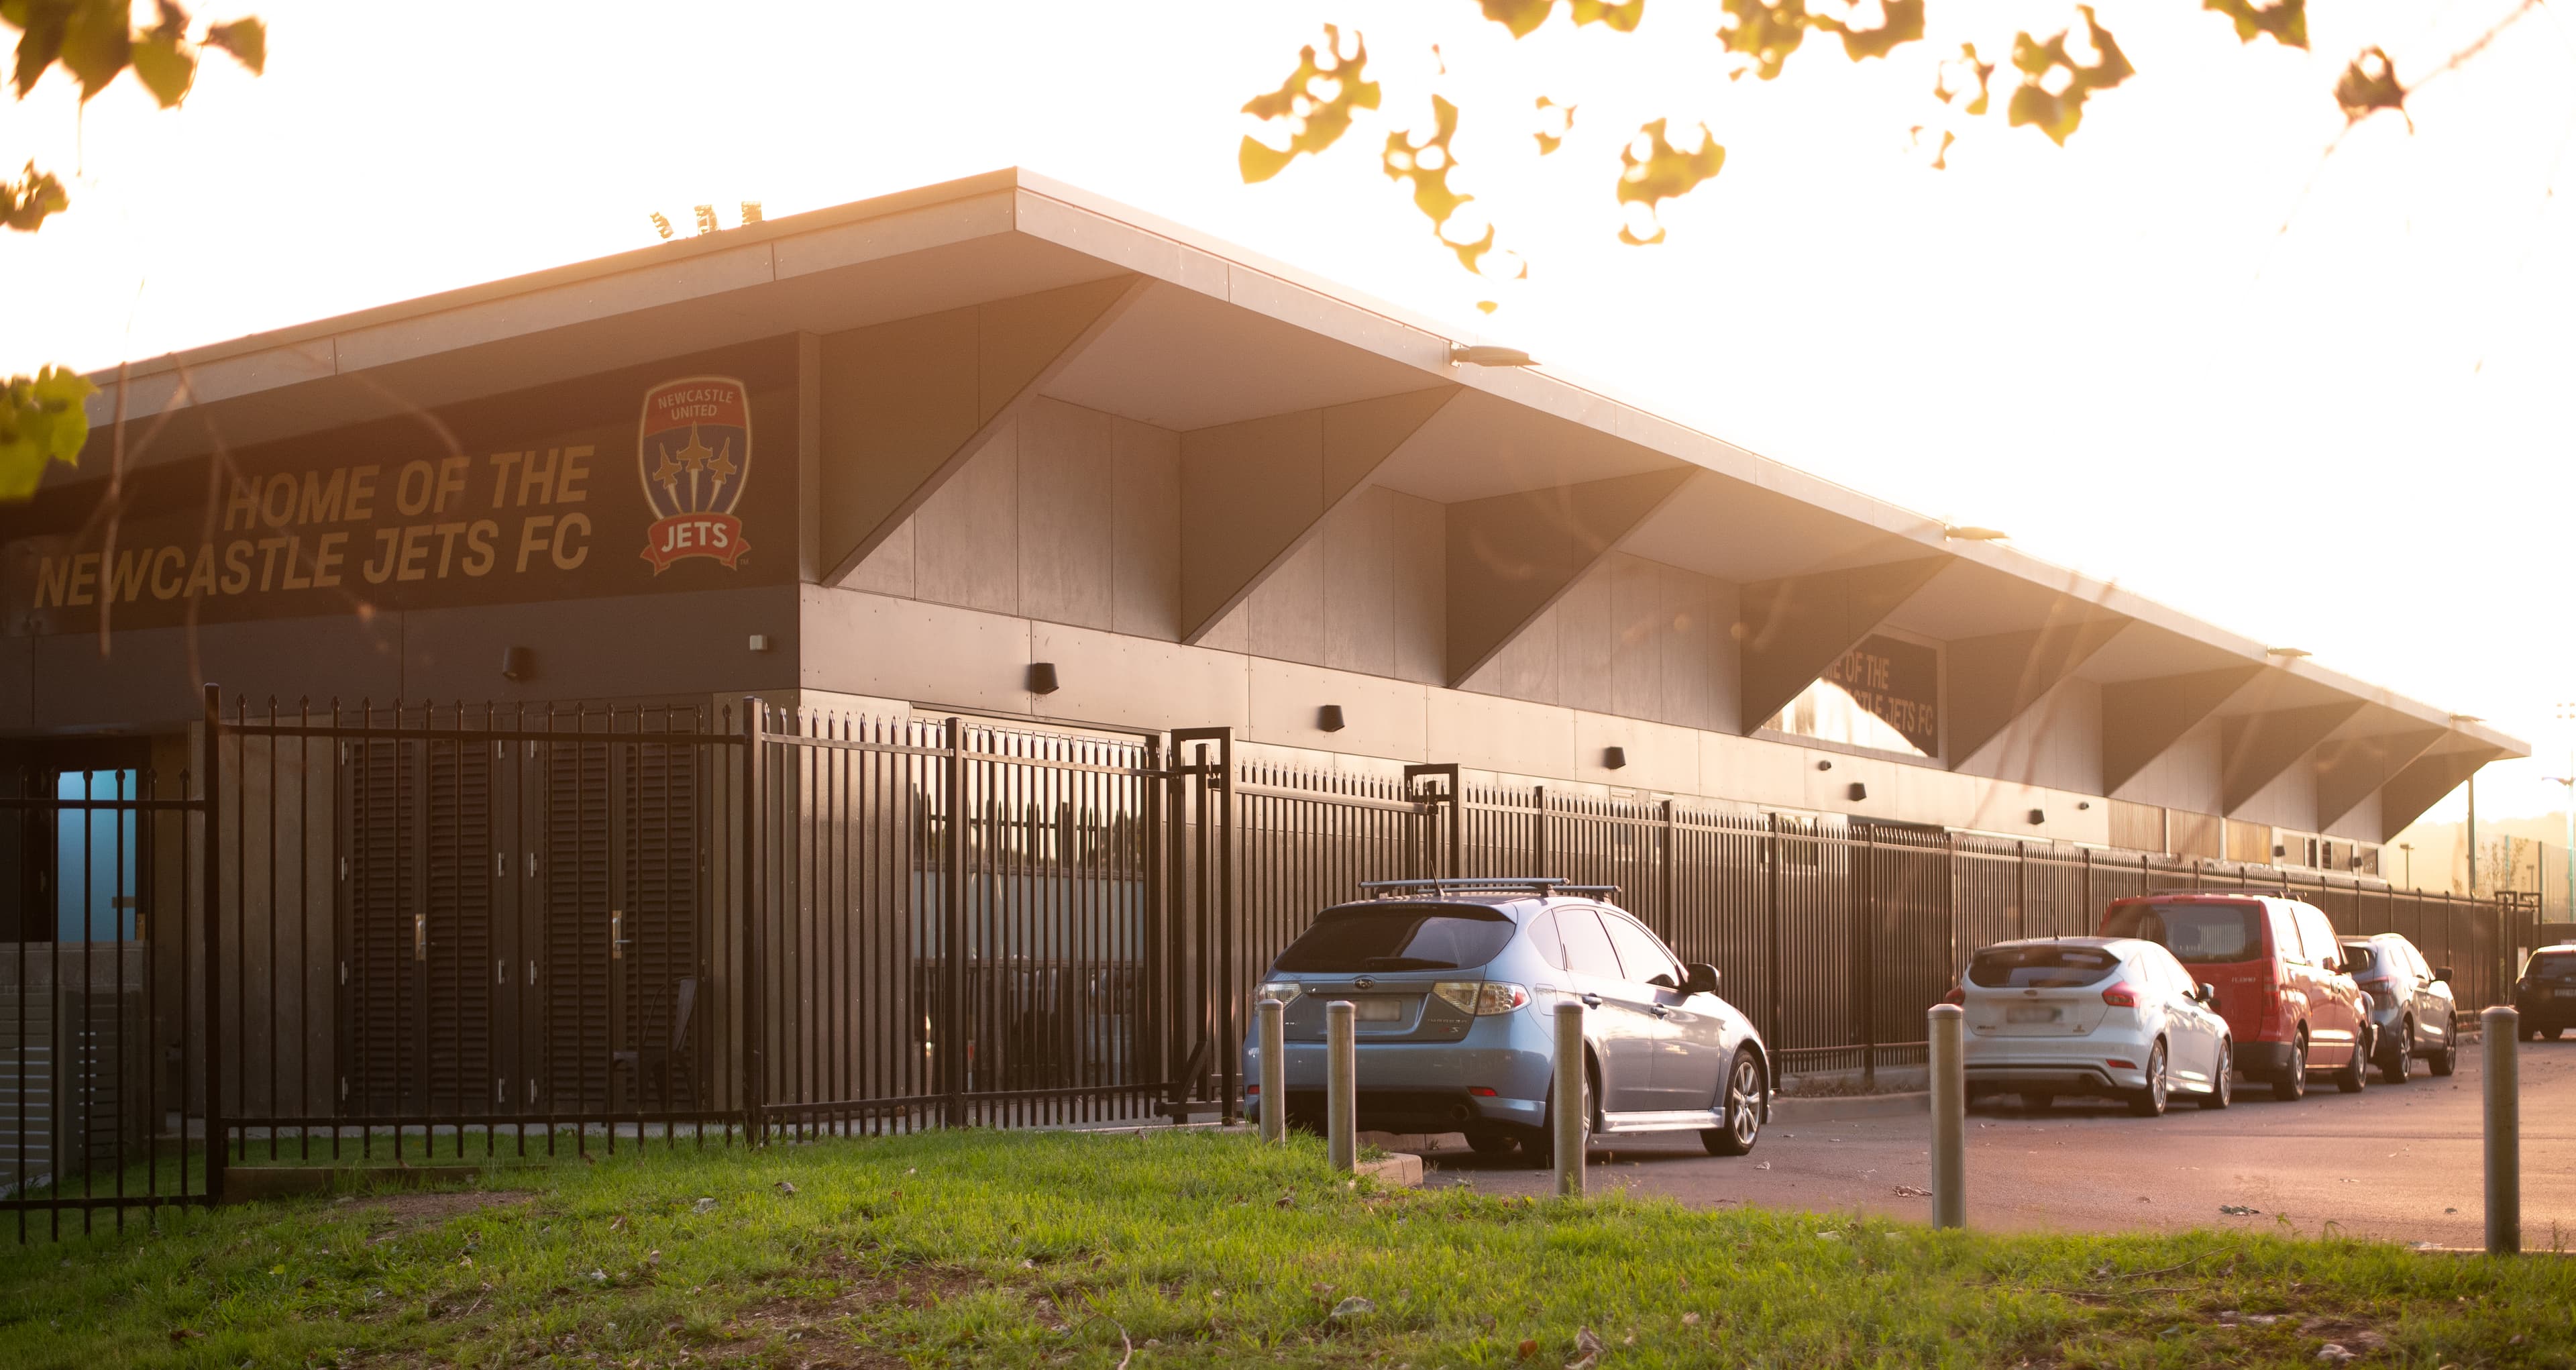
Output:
x=1541 y=885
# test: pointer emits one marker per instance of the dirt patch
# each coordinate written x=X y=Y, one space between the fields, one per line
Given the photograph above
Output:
x=817 y=1333
x=404 y=1212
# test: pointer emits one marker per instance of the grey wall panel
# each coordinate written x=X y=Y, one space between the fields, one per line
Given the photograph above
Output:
x=586 y=649
x=1725 y=656
x=1146 y=601
x=150 y=678
x=966 y=536
x=1638 y=632
x=1287 y=618
x=1068 y=500
x=1360 y=586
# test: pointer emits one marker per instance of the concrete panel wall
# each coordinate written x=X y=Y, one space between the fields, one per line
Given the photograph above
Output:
x=1634 y=638
x=2362 y=825
x=1365 y=594
x=2056 y=743
x=1068 y=516
x=2185 y=777
x=2290 y=801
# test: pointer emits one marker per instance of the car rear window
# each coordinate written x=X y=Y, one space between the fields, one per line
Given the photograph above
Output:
x=2193 y=932
x=2359 y=957
x=2557 y=965
x=2040 y=967
x=1399 y=937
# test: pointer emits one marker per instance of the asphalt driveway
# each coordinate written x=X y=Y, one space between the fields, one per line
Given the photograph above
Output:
x=2397 y=1162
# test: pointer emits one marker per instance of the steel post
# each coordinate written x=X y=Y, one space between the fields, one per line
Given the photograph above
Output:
x=1341 y=1085
x=1274 y=1070
x=1566 y=1114
x=1949 y=1118
x=2503 y=1028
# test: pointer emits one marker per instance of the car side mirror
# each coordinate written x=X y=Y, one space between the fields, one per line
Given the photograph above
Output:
x=2206 y=993
x=1699 y=978
x=2442 y=974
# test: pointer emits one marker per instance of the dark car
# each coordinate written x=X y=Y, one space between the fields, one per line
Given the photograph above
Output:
x=2545 y=996
x=2279 y=974
x=2411 y=1010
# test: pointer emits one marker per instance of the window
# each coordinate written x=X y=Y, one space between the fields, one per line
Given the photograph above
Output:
x=1399 y=937
x=1884 y=694
x=1641 y=957
x=94 y=866
x=2415 y=959
x=2318 y=934
x=2193 y=932
x=2359 y=957
x=1541 y=932
x=2552 y=965
x=2285 y=936
x=2041 y=965
x=1587 y=947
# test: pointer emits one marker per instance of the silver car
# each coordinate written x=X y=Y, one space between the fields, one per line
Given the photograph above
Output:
x=1454 y=984
x=2411 y=1010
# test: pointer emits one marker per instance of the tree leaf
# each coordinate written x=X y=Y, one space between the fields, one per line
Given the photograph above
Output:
x=1559 y=121
x=40 y=39
x=1765 y=33
x=2059 y=113
x=1663 y=173
x=96 y=43
x=42 y=420
x=1523 y=17
x=2369 y=85
x=2285 y=20
x=1427 y=165
x=24 y=203
x=165 y=67
x=1968 y=65
x=1315 y=121
x=1902 y=23
x=246 y=39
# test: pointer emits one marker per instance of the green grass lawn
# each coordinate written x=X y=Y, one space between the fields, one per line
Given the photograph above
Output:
x=1198 y=1248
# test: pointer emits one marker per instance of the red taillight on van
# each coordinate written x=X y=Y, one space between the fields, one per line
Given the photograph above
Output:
x=2122 y=995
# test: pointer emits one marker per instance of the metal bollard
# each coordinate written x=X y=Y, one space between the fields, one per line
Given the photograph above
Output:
x=2503 y=1029
x=1568 y=1119
x=1274 y=1071
x=1949 y=1118
x=1341 y=1085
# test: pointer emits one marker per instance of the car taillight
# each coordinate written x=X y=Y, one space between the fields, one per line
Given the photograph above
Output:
x=1958 y=995
x=2122 y=995
x=1481 y=997
x=1284 y=991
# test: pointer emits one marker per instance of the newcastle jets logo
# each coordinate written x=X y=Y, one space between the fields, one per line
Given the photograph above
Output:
x=694 y=454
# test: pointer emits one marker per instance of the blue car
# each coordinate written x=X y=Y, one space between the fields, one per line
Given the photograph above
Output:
x=1454 y=984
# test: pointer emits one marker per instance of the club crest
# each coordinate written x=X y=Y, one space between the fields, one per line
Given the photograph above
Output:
x=693 y=456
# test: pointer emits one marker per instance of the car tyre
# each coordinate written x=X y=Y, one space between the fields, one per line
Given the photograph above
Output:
x=2292 y=1084
x=2355 y=1075
x=2222 y=1089
x=2444 y=1061
x=1740 y=1112
x=2150 y=1101
x=1540 y=1146
x=2397 y=1066
x=1491 y=1141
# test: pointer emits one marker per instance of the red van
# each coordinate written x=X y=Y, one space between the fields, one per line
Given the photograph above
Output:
x=2280 y=979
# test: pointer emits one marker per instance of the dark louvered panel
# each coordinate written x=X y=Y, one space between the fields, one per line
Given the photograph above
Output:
x=577 y=979
x=661 y=887
x=375 y=998
x=454 y=960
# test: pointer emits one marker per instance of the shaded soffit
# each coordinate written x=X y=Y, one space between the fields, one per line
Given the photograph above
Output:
x=1182 y=360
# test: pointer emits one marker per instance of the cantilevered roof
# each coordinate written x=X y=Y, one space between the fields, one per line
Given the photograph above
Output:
x=1211 y=335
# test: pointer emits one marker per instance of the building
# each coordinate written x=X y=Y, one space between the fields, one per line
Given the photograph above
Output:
x=1000 y=449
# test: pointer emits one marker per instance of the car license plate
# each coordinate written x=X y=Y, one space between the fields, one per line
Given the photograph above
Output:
x=1378 y=1009
x=2029 y=1013
x=2567 y=994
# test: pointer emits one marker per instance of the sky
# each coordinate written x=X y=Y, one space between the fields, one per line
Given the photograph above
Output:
x=2319 y=399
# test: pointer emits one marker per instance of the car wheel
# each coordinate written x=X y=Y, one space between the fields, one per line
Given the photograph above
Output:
x=2355 y=1075
x=2444 y=1061
x=2398 y=1065
x=2222 y=1090
x=2150 y=1101
x=1740 y=1116
x=1489 y=1142
x=1541 y=1147
x=2293 y=1083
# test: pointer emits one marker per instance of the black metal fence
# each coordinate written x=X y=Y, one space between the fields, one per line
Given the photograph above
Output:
x=397 y=932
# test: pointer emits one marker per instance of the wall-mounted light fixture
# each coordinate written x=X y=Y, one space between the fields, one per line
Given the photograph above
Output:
x=1824 y=765
x=2466 y=718
x=1329 y=718
x=2038 y=816
x=1461 y=354
x=760 y=642
x=2279 y=849
x=1615 y=758
x=517 y=663
x=1042 y=678
x=1969 y=532
x=2286 y=653
x=2082 y=804
x=1859 y=790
